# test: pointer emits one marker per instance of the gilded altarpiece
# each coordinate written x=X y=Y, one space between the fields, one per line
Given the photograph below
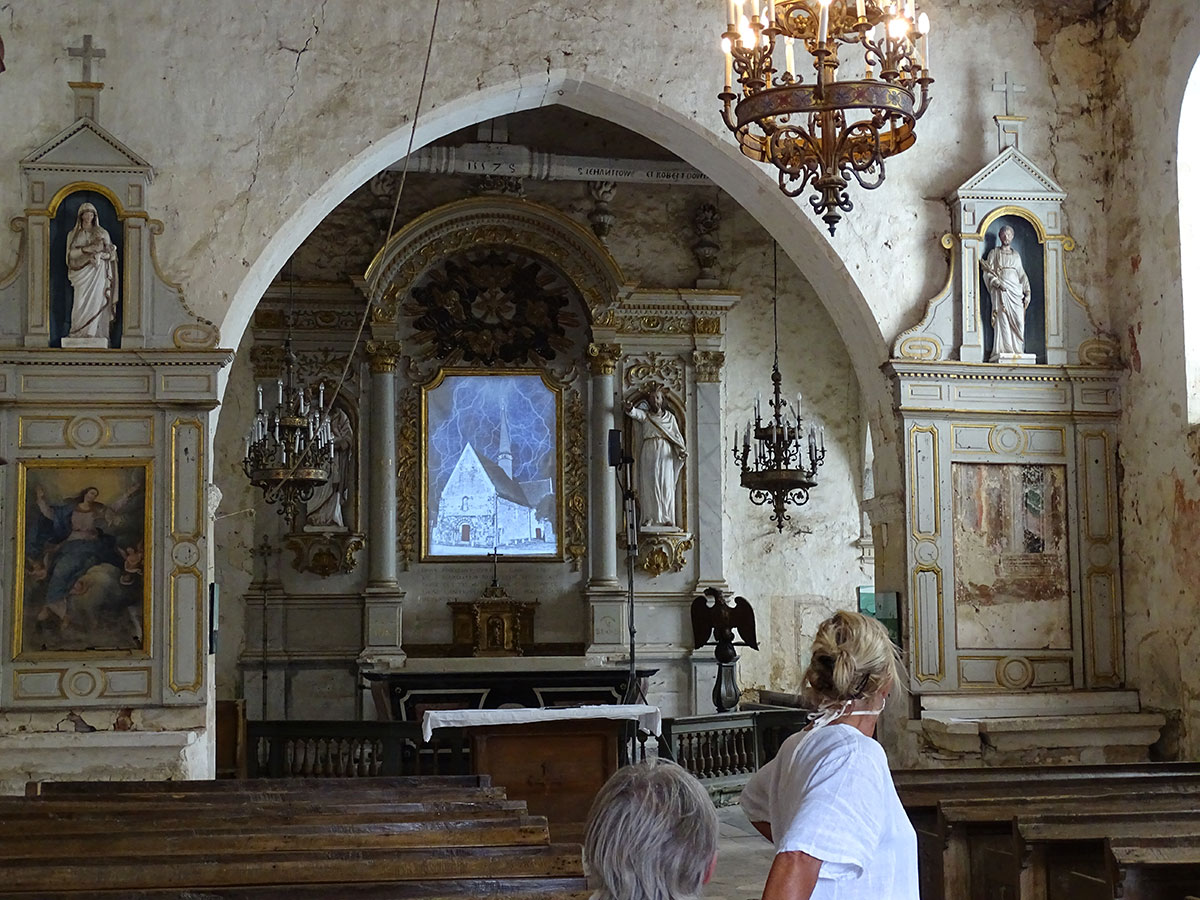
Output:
x=493 y=285
x=1013 y=592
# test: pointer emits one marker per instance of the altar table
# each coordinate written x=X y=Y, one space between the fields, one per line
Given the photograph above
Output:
x=556 y=760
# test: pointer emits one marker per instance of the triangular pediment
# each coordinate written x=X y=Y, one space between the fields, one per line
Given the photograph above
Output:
x=84 y=144
x=1011 y=174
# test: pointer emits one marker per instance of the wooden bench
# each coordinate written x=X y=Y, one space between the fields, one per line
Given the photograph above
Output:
x=322 y=786
x=1154 y=867
x=397 y=837
x=921 y=790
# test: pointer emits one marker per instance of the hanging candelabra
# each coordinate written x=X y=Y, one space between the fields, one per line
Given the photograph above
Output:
x=778 y=458
x=289 y=450
x=843 y=124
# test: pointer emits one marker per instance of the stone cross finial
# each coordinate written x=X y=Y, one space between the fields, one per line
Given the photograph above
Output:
x=87 y=53
x=1010 y=89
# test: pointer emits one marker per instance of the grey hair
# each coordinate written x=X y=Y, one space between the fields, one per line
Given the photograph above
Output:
x=651 y=834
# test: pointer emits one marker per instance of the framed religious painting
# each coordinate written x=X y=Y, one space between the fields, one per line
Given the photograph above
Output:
x=83 y=573
x=491 y=465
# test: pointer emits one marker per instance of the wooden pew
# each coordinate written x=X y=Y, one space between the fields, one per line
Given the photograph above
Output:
x=331 y=867
x=1071 y=847
x=361 y=786
x=418 y=838
x=984 y=855
x=476 y=889
x=921 y=790
x=1154 y=868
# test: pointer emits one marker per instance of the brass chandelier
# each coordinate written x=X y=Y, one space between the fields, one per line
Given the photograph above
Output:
x=777 y=457
x=289 y=449
x=823 y=132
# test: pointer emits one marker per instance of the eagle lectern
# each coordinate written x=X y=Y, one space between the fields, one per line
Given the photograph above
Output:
x=715 y=615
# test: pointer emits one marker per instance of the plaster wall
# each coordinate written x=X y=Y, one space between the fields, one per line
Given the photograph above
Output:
x=1154 y=48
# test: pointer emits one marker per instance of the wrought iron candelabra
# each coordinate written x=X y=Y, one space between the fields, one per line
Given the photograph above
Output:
x=778 y=459
x=289 y=451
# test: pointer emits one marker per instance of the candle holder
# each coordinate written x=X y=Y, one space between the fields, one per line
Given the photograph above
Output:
x=778 y=458
x=820 y=135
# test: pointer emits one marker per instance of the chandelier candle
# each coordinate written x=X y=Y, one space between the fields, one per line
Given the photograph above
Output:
x=822 y=132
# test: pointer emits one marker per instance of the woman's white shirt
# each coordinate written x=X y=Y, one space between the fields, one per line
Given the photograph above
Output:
x=829 y=793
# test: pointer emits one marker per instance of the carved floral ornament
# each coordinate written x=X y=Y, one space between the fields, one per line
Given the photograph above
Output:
x=489 y=307
x=501 y=224
x=655 y=367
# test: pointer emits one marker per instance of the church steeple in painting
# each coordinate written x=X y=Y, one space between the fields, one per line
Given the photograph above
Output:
x=504 y=456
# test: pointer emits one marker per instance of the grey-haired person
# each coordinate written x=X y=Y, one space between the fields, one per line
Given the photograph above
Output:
x=651 y=835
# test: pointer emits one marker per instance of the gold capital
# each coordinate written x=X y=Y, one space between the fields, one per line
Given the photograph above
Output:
x=604 y=358
x=382 y=356
x=708 y=365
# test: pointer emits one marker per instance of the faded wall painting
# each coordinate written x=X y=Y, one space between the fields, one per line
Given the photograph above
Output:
x=83 y=585
x=1011 y=572
x=492 y=468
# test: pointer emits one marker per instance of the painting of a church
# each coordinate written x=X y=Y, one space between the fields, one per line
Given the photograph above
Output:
x=499 y=500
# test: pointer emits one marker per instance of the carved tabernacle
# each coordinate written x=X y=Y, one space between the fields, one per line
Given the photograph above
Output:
x=493 y=625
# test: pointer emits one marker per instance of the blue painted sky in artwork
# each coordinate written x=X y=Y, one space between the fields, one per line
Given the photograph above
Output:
x=467 y=408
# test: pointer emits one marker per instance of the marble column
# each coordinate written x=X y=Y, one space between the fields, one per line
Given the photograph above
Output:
x=603 y=538
x=383 y=599
x=710 y=446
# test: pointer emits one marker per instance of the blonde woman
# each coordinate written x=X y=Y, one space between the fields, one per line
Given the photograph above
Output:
x=651 y=835
x=827 y=800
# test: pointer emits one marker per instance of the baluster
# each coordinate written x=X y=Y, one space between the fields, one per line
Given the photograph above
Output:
x=705 y=739
x=726 y=751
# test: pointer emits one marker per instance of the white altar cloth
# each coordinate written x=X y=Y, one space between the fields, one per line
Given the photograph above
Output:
x=649 y=718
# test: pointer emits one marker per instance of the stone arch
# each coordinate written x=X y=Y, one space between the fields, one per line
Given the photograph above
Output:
x=497 y=221
x=1189 y=235
x=718 y=157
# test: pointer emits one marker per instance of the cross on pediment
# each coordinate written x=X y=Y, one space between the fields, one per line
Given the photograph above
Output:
x=87 y=53
x=1010 y=89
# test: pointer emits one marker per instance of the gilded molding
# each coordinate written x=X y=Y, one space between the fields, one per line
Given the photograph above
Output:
x=325 y=554
x=708 y=364
x=661 y=553
x=408 y=474
x=655 y=367
x=382 y=356
x=603 y=358
x=574 y=476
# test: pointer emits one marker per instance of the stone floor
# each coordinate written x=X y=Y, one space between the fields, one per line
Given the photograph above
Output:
x=743 y=859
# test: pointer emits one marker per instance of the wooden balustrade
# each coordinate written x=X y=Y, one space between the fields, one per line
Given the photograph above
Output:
x=723 y=751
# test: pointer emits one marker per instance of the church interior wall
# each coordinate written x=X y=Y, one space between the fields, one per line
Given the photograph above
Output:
x=249 y=164
x=1153 y=56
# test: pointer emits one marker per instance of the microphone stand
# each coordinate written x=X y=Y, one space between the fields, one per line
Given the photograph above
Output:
x=629 y=507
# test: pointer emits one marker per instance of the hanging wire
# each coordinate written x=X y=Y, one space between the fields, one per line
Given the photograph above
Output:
x=775 y=296
x=327 y=412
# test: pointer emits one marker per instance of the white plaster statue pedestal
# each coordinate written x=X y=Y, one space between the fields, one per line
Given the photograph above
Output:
x=85 y=343
x=1014 y=359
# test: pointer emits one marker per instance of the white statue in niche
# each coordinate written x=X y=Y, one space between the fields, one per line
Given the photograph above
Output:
x=327 y=506
x=1006 y=281
x=660 y=460
x=92 y=271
